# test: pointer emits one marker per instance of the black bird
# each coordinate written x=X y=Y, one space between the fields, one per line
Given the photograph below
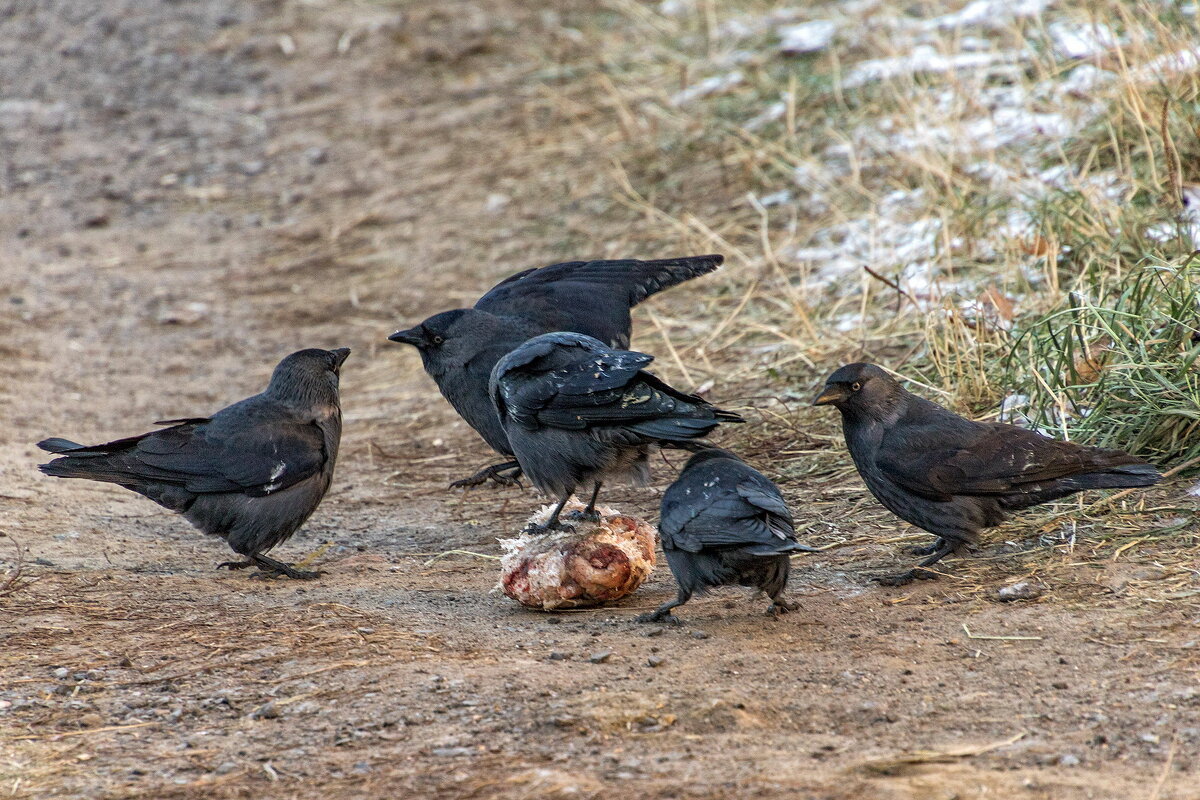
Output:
x=459 y=348
x=577 y=411
x=251 y=473
x=954 y=477
x=724 y=523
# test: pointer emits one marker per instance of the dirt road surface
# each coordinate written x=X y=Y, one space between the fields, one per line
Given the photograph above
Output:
x=193 y=190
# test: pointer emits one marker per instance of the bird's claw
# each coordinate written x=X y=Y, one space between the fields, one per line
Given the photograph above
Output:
x=905 y=578
x=780 y=607
x=541 y=530
x=659 y=616
x=493 y=473
x=232 y=565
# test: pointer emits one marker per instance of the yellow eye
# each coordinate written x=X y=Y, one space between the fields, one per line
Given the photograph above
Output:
x=854 y=387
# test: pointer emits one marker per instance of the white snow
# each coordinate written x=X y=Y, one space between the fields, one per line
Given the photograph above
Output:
x=709 y=86
x=807 y=37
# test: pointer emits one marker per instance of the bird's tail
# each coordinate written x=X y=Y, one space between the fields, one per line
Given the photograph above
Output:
x=1125 y=476
x=655 y=276
x=93 y=462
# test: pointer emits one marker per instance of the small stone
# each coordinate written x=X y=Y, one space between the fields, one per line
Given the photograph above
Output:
x=1022 y=590
x=700 y=634
x=450 y=752
x=61 y=673
x=650 y=634
x=1068 y=760
x=601 y=657
x=225 y=767
x=1149 y=738
x=266 y=711
x=557 y=655
x=654 y=661
x=365 y=630
x=316 y=155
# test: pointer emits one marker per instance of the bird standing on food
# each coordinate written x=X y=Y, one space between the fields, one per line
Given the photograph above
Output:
x=252 y=473
x=724 y=523
x=578 y=412
x=459 y=348
x=954 y=477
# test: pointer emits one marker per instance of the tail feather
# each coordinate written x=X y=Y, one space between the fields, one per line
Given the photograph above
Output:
x=57 y=445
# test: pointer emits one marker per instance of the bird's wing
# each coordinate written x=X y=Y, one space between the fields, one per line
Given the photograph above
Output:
x=999 y=460
x=255 y=459
x=595 y=389
x=764 y=495
x=590 y=297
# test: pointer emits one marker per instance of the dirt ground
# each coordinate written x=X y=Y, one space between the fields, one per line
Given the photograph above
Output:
x=193 y=190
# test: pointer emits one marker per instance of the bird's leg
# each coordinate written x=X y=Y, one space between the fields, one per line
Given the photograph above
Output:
x=552 y=524
x=589 y=513
x=492 y=473
x=928 y=549
x=232 y=565
x=274 y=569
x=663 y=612
x=947 y=547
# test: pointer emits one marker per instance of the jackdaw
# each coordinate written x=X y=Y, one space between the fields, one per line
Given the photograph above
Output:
x=577 y=411
x=251 y=473
x=724 y=523
x=459 y=348
x=954 y=477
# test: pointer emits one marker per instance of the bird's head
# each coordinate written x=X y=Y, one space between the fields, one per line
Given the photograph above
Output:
x=859 y=390
x=309 y=377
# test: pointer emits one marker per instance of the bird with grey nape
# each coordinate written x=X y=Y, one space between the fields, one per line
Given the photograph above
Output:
x=251 y=473
x=954 y=477
x=459 y=348
x=578 y=412
x=724 y=523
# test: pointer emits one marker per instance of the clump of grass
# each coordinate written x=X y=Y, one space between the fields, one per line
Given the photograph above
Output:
x=1121 y=370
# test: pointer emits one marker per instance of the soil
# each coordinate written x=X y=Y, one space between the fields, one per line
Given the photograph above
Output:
x=193 y=190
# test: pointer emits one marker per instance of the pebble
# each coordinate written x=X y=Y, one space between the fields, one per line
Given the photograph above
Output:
x=654 y=661
x=654 y=632
x=700 y=634
x=601 y=657
x=1068 y=760
x=1022 y=590
x=266 y=711
x=447 y=752
x=557 y=655
x=225 y=767
x=61 y=673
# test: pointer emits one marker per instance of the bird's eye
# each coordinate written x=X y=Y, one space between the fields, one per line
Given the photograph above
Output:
x=854 y=387
x=438 y=340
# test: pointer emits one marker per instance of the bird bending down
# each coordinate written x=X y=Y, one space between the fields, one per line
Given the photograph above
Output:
x=459 y=348
x=724 y=523
x=579 y=412
x=954 y=477
x=251 y=473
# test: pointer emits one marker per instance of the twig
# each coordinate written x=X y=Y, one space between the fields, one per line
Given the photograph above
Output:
x=84 y=732
x=1162 y=778
x=893 y=284
x=461 y=553
x=1000 y=638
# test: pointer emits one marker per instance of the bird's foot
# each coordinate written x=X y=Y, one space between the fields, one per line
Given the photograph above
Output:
x=928 y=550
x=659 y=616
x=905 y=578
x=270 y=568
x=232 y=565
x=542 y=530
x=582 y=515
x=493 y=473
x=780 y=607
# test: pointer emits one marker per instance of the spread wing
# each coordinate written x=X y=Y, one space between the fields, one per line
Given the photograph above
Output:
x=590 y=297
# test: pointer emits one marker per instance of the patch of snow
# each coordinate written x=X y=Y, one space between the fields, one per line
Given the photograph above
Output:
x=709 y=86
x=807 y=37
x=1164 y=66
x=1081 y=40
x=773 y=112
x=986 y=13
x=1083 y=80
x=926 y=58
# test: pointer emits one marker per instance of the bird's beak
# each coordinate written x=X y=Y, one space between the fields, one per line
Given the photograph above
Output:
x=413 y=336
x=342 y=353
x=830 y=395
